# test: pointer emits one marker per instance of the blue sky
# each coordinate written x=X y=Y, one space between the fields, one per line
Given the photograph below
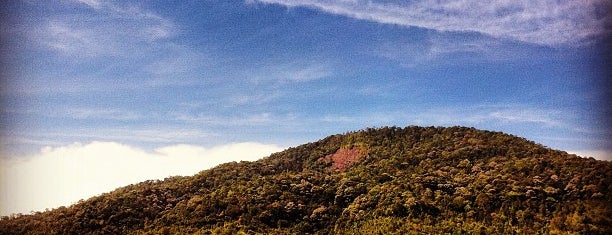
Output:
x=147 y=75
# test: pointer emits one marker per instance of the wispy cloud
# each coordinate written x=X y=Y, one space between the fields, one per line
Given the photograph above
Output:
x=152 y=26
x=494 y=114
x=308 y=73
x=179 y=65
x=60 y=176
x=96 y=4
x=470 y=115
x=367 y=119
x=545 y=117
x=97 y=114
x=78 y=113
x=289 y=72
x=546 y=22
x=64 y=38
x=256 y=119
x=270 y=81
x=257 y=97
x=442 y=48
x=113 y=30
x=141 y=135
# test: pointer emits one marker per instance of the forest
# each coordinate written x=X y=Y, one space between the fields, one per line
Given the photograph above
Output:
x=387 y=180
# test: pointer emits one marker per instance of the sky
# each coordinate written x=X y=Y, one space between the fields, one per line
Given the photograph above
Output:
x=100 y=94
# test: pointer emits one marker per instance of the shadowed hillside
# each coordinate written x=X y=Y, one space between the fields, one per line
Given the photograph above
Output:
x=376 y=181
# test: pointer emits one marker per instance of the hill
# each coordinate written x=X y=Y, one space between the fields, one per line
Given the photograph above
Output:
x=390 y=180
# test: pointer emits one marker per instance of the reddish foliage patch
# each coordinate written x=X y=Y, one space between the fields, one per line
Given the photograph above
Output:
x=343 y=158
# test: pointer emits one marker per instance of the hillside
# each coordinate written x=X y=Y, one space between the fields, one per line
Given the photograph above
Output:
x=389 y=180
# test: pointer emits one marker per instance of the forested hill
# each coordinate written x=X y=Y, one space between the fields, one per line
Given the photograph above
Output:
x=419 y=180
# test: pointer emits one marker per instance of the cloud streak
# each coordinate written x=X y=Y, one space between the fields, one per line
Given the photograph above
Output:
x=256 y=119
x=97 y=114
x=60 y=176
x=473 y=115
x=113 y=30
x=290 y=72
x=544 y=22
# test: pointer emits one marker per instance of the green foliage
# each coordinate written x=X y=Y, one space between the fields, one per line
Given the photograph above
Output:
x=413 y=180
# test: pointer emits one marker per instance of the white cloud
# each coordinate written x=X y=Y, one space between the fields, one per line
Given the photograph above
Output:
x=149 y=25
x=112 y=30
x=63 y=175
x=547 y=22
x=494 y=114
x=308 y=73
x=160 y=135
x=376 y=119
x=255 y=119
x=525 y=116
x=97 y=114
x=448 y=116
x=180 y=65
x=254 y=97
x=443 y=48
x=271 y=80
x=61 y=36
x=295 y=71
x=96 y=4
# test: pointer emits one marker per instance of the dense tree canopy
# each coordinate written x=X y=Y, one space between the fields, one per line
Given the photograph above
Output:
x=386 y=180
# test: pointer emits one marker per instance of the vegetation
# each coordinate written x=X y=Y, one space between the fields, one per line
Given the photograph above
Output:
x=413 y=180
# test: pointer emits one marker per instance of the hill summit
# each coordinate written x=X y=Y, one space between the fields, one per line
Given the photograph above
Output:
x=389 y=180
